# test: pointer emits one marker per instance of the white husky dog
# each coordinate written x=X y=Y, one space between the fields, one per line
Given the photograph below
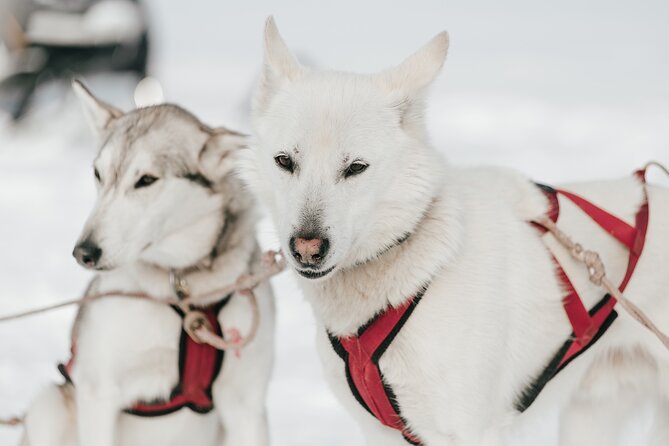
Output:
x=167 y=200
x=374 y=218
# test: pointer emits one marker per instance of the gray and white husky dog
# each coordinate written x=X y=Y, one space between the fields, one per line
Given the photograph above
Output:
x=371 y=214
x=168 y=199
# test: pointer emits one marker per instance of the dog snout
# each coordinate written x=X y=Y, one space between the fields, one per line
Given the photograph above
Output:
x=87 y=253
x=309 y=250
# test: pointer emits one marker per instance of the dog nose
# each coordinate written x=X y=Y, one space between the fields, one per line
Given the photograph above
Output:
x=87 y=253
x=309 y=251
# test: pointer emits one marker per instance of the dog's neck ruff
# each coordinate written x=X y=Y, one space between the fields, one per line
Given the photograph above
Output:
x=362 y=352
x=219 y=246
x=399 y=240
x=343 y=308
x=232 y=253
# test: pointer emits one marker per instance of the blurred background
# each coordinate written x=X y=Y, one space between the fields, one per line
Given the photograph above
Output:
x=563 y=91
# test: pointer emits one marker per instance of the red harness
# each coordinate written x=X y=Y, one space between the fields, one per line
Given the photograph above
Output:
x=361 y=353
x=199 y=365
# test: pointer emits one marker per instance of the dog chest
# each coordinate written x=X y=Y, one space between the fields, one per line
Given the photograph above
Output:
x=132 y=343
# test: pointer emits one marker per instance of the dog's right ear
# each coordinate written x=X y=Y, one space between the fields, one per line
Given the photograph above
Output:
x=99 y=114
x=280 y=66
x=217 y=157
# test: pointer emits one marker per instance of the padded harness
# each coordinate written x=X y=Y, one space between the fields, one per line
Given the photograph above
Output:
x=361 y=353
x=199 y=365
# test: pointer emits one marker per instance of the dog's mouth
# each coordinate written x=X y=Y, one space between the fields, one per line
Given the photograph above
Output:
x=102 y=268
x=312 y=274
x=98 y=268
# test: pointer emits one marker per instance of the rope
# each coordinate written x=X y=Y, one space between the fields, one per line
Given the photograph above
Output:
x=11 y=422
x=87 y=299
x=597 y=274
x=195 y=322
x=272 y=263
x=657 y=164
x=206 y=336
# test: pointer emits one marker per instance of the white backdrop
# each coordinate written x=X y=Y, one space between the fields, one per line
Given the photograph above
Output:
x=563 y=91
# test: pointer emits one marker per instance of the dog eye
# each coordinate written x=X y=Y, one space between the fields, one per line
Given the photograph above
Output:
x=96 y=172
x=146 y=180
x=355 y=168
x=285 y=162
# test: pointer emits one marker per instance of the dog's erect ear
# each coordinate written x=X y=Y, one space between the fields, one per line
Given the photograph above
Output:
x=279 y=66
x=217 y=157
x=99 y=114
x=407 y=82
x=418 y=70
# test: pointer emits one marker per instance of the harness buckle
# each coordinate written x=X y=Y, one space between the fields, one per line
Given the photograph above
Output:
x=194 y=321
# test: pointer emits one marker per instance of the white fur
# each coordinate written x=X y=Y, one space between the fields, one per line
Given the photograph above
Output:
x=492 y=316
x=127 y=350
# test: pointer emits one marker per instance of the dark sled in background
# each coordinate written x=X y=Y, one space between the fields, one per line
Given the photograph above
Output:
x=53 y=40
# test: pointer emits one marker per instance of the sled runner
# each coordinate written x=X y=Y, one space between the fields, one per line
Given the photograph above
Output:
x=361 y=353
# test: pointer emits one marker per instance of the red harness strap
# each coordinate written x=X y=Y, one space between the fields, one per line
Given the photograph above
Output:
x=589 y=326
x=361 y=353
x=199 y=365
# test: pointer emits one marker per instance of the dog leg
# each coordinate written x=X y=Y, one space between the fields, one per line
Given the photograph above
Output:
x=380 y=438
x=659 y=434
x=244 y=418
x=496 y=437
x=50 y=420
x=97 y=413
x=614 y=386
x=377 y=434
x=489 y=437
x=595 y=422
x=239 y=398
x=240 y=390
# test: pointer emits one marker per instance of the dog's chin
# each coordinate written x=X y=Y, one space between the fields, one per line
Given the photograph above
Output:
x=99 y=268
x=107 y=264
x=104 y=268
x=313 y=274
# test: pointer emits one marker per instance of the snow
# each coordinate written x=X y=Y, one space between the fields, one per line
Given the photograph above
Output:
x=566 y=91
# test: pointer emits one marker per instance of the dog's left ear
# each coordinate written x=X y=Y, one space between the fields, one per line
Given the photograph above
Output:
x=217 y=157
x=407 y=82
x=420 y=69
x=99 y=114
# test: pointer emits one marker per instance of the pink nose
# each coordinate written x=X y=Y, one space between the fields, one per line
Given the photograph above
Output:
x=309 y=251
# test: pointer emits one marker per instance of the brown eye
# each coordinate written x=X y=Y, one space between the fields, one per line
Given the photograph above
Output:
x=285 y=162
x=145 y=180
x=356 y=167
x=96 y=172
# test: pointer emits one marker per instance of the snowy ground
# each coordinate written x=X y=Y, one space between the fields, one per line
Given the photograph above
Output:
x=561 y=92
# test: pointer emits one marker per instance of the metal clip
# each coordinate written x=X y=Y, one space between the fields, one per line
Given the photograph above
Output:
x=179 y=285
